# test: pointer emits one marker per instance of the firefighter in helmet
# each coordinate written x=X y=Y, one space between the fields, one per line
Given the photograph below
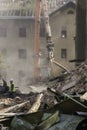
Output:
x=12 y=89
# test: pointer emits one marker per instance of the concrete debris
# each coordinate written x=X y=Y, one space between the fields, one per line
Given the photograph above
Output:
x=65 y=94
x=74 y=82
x=36 y=105
x=84 y=96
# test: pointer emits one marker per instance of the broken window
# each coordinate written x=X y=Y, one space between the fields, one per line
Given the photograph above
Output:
x=63 y=34
x=22 y=32
x=63 y=53
x=64 y=31
x=22 y=54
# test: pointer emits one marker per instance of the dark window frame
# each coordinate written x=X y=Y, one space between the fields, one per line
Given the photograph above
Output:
x=64 y=53
x=22 y=53
x=22 y=32
x=64 y=33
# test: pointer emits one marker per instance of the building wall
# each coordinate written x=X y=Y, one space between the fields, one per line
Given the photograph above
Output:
x=63 y=21
x=22 y=69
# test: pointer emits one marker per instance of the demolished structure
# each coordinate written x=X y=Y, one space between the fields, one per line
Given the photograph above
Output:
x=17 y=29
x=61 y=106
x=64 y=98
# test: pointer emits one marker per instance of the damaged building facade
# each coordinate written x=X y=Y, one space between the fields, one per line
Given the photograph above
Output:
x=17 y=28
x=63 y=28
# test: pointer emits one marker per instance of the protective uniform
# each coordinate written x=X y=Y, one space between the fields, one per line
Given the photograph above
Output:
x=12 y=89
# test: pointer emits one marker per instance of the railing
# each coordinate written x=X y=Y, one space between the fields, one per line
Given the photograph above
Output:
x=13 y=8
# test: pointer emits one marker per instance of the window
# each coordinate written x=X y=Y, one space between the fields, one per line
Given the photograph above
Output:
x=63 y=34
x=22 y=54
x=63 y=31
x=22 y=32
x=3 y=32
x=64 y=53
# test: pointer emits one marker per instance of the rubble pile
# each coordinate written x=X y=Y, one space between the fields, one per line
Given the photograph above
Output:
x=74 y=82
x=64 y=95
x=6 y=102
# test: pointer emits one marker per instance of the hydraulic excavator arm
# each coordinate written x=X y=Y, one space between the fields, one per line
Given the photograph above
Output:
x=50 y=44
x=37 y=40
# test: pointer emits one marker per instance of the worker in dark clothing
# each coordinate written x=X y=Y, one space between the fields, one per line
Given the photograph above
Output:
x=6 y=87
x=12 y=89
x=3 y=85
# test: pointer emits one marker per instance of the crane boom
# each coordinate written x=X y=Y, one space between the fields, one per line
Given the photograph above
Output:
x=37 y=40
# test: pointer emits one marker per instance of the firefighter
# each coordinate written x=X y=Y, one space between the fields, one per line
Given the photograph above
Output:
x=12 y=89
x=3 y=85
x=6 y=87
